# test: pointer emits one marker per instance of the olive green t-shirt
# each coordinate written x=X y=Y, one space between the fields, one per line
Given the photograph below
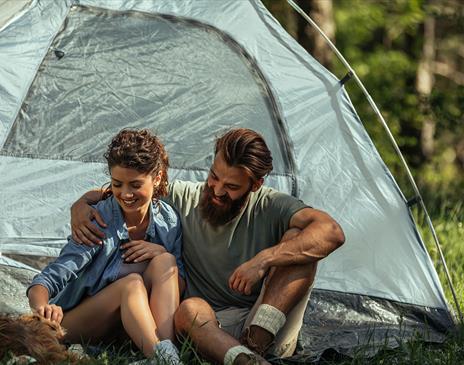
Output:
x=211 y=254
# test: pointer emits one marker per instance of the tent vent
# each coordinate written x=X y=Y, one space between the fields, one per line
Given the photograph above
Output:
x=346 y=78
x=59 y=54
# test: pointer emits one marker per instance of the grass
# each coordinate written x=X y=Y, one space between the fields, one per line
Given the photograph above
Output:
x=414 y=352
x=448 y=221
x=119 y=355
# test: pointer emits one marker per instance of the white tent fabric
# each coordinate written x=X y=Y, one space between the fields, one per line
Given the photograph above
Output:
x=10 y=10
x=72 y=75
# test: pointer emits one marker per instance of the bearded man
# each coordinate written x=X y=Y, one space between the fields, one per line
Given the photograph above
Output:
x=250 y=254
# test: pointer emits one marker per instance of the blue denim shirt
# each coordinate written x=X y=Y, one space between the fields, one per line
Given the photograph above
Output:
x=82 y=270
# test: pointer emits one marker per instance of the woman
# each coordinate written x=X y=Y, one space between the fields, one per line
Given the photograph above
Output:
x=132 y=278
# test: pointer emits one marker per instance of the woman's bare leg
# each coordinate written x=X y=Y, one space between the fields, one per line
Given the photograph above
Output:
x=161 y=281
x=126 y=301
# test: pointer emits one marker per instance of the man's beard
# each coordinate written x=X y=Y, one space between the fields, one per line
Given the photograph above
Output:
x=218 y=215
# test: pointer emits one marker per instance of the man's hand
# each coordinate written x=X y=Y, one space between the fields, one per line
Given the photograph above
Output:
x=137 y=251
x=82 y=228
x=247 y=275
x=50 y=311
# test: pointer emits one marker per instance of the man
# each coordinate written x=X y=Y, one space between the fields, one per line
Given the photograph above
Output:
x=250 y=254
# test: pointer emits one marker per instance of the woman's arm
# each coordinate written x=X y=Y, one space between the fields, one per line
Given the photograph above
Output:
x=38 y=296
x=38 y=301
x=53 y=278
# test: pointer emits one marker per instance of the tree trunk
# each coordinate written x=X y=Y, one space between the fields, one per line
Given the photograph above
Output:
x=321 y=11
x=424 y=85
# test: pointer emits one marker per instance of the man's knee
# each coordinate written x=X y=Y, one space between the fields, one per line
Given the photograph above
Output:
x=193 y=313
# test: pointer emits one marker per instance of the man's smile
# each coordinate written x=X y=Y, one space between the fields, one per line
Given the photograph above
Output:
x=218 y=200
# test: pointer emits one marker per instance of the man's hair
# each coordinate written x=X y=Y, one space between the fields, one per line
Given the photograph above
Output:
x=142 y=151
x=247 y=149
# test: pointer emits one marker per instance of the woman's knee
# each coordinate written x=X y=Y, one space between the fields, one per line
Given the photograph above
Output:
x=161 y=267
x=131 y=282
x=166 y=260
x=132 y=278
x=193 y=312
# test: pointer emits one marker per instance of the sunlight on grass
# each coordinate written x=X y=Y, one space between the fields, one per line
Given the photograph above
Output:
x=449 y=225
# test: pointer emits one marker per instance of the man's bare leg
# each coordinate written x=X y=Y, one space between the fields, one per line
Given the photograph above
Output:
x=285 y=288
x=196 y=319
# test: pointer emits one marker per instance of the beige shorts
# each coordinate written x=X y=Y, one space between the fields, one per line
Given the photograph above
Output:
x=235 y=320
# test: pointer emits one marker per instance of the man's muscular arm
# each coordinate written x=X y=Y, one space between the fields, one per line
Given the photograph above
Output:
x=82 y=228
x=319 y=236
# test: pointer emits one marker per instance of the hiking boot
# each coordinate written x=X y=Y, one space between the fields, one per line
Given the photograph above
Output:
x=246 y=340
x=250 y=359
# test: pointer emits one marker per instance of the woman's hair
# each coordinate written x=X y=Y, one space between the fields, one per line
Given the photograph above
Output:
x=245 y=148
x=140 y=150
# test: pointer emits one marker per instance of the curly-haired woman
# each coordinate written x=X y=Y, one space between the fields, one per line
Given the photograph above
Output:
x=135 y=276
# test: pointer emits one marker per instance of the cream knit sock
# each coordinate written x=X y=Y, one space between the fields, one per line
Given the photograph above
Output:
x=233 y=352
x=269 y=318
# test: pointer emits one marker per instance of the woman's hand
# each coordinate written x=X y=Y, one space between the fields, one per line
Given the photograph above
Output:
x=137 y=251
x=38 y=301
x=50 y=311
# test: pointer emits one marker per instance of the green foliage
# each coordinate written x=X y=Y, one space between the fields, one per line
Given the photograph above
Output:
x=449 y=225
x=384 y=66
x=382 y=40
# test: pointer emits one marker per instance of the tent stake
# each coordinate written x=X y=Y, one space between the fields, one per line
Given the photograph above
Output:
x=395 y=146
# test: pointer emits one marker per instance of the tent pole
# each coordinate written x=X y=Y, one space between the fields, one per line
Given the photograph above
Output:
x=395 y=146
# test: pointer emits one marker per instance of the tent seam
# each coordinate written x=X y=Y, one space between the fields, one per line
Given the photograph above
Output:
x=28 y=88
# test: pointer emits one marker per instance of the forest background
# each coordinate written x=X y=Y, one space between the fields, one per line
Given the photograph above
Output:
x=409 y=54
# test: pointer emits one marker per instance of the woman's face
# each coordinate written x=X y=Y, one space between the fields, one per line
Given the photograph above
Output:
x=132 y=189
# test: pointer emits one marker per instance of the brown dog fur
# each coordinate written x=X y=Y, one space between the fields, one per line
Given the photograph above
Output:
x=34 y=336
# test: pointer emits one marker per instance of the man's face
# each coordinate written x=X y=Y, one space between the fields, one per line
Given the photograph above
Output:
x=226 y=192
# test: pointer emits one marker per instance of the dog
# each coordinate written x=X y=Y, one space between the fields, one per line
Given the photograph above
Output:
x=33 y=335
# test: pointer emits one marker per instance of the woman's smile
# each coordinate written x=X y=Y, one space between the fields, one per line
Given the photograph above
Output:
x=130 y=203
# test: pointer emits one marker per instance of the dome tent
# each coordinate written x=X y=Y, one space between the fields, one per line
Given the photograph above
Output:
x=74 y=72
